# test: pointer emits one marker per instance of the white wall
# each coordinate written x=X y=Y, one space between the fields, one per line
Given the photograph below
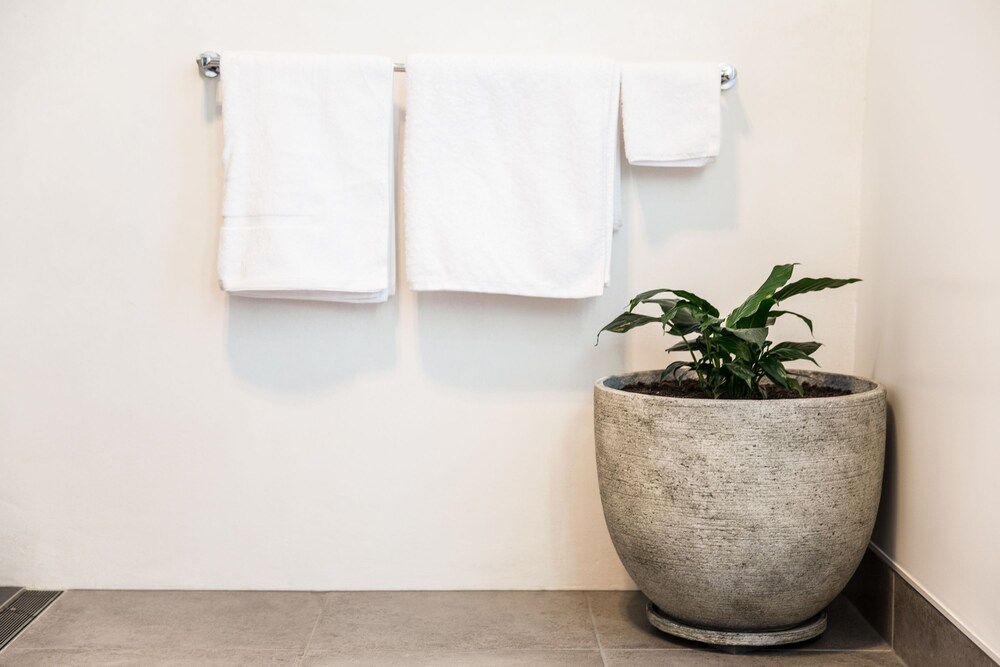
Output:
x=155 y=433
x=931 y=309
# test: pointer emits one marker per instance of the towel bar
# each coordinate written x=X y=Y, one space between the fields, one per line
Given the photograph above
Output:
x=209 y=65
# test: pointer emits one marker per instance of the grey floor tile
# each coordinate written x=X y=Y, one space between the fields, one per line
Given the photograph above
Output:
x=846 y=630
x=705 y=658
x=620 y=619
x=455 y=620
x=923 y=637
x=486 y=658
x=179 y=657
x=141 y=620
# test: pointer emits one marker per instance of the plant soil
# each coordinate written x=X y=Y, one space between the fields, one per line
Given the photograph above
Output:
x=690 y=389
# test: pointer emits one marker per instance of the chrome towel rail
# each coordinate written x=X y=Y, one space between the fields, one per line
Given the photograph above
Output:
x=209 y=65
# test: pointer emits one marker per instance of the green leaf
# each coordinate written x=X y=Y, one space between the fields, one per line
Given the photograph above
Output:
x=757 y=336
x=683 y=313
x=643 y=297
x=626 y=322
x=664 y=304
x=678 y=330
x=794 y=351
x=740 y=371
x=733 y=344
x=779 y=276
x=775 y=314
x=804 y=285
x=709 y=322
x=693 y=298
x=671 y=370
x=698 y=301
x=683 y=319
x=697 y=345
x=758 y=319
x=774 y=370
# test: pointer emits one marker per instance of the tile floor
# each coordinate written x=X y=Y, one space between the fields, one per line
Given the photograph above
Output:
x=376 y=629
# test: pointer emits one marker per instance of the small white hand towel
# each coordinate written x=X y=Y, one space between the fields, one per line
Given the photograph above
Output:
x=510 y=172
x=308 y=159
x=670 y=113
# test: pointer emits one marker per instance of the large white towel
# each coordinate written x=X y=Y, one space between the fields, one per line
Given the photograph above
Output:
x=308 y=157
x=670 y=113
x=510 y=172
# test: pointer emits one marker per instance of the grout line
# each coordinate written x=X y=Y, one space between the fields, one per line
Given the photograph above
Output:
x=319 y=616
x=593 y=624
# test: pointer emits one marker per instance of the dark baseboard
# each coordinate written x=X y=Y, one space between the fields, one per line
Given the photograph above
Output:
x=917 y=632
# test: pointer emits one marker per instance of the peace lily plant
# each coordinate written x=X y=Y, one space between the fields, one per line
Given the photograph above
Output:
x=732 y=357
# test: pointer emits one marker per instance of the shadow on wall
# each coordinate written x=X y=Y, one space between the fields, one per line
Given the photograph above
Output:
x=884 y=534
x=489 y=342
x=701 y=198
x=211 y=103
x=300 y=347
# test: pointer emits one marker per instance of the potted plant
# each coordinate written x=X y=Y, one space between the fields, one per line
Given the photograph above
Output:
x=739 y=494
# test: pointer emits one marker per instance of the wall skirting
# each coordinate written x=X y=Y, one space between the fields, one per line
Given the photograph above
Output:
x=921 y=630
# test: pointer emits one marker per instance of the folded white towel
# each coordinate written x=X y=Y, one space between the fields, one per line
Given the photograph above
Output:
x=510 y=174
x=670 y=113
x=308 y=157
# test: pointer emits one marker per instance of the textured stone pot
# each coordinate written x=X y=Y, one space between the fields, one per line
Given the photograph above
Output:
x=740 y=516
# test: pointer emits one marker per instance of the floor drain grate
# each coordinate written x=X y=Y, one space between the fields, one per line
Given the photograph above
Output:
x=21 y=611
x=31 y=603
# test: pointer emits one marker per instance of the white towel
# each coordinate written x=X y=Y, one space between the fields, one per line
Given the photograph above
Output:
x=308 y=158
x=510 y=172
x=670 y=113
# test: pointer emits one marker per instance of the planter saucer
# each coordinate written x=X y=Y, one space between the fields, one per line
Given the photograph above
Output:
x=807 y=630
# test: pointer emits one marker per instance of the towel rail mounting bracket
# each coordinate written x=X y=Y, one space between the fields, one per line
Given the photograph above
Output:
x=208 y=64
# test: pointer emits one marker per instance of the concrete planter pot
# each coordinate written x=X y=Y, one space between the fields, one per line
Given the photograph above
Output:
x=740 y=520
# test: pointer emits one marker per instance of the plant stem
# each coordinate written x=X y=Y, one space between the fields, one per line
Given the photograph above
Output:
x=711 y=362
x=695 y=365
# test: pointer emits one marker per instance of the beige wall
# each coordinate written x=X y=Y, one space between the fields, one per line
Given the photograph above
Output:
x=930 y=310
x=155 y=433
